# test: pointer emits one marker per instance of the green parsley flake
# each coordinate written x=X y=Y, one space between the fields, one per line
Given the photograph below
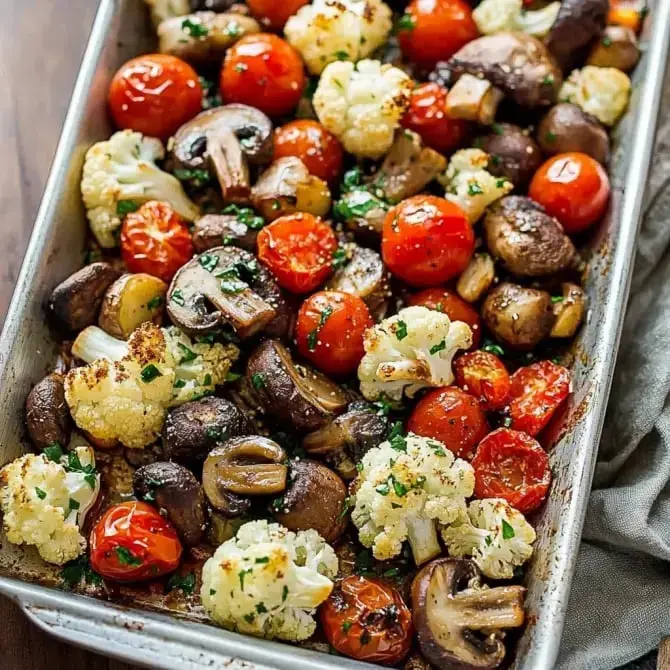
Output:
x=155 y=302
x=262 y=559
x=232 y=376
x=209 y=262
x=197 y=178
x=440 y=346
x=507 y=530
x=313 y=335
x=150 y=373
x=346 y=625
x=180 y=383
x=493 y=348
x=41 y=494
x=258 y=380
x=556 y=298
x=186 y=583
x=497 y=129
x=187 y=354
x=284 y=593
x=261 y=608
x=339 y=258
x=194 y=29
x=400 y=330
x=54 y=452
x=125 y=557
x=75 y=571
x=474 y=189
x=341 y=55
x=383 y=489
x=177 y=297
x=124 y=207
x=405 y=23
x=242 y=574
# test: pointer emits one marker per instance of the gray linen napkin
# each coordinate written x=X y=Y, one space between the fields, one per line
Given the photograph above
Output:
x=620 y=602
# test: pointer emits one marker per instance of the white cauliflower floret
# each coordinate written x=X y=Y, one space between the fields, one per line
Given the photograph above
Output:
x=496 y=16
x=600 y=91
x=406 y=486
x=161 y=10
x=409 y=351
x=45 y=501
x=123 y=168
x=331 y=30
x=497 y=536
x=268 y=581
x=470 y=186
x=362 y=104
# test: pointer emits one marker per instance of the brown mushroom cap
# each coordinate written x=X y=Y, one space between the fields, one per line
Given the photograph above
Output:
x=214 y=230
x=47 y=414
x=617 y=47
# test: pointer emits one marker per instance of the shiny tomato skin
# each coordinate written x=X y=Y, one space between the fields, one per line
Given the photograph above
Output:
x=434 y=30
x=298 y=249
x=512 y=465
x=329 y=331
x=427 y=240
x=450 y=303
x=274 y=13
x=367 y=620
x=317 y=148
x=536 y=392
x=451 y=416
x=132 y=542
x=155 y=95
x=265 y=72
x=574 y=188
x=484 y=376
x=427 y=116
x=155 y=240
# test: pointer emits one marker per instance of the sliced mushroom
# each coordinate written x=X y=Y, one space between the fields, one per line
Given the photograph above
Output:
x=314 y=499
x=174 y=489
x=47 y=414
x=518 y=316
x=476 y=278
x=459 y=623
x=214 y=230
x=287 y=187
x=569 y=310
x=75 y=303
x=363 y=213
x=617 y=47
x=527 y=241
x=294 y=394
x=475 y=99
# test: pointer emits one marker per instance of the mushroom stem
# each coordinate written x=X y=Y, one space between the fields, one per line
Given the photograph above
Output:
x=474 y=99
x=230 y=165
x=246 y=311
x=422 y=538
x=327 y=440
x=485 y=609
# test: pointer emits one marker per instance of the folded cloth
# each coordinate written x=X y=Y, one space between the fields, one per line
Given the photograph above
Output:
x=619 y=607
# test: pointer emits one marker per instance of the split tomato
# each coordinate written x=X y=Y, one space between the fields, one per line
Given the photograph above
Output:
x=484 y=376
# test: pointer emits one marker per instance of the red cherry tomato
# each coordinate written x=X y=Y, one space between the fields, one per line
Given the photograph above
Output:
x=132 y=542
x=155 y=94
x=329 y=331
x=274 y=13
x=367 y=620
x=298 y=249
x=452 y=417
x=427 y=116
x=427 y=240
x=484 y=376
x=513 y=466
x=263 y=71
x=574 y=188
x=155 y=240
x=535 y=394
x=453 y=306
x=434 y=30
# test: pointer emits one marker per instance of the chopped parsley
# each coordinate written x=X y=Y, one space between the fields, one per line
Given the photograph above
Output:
x=150 y=373
x=607 y=41
x=233 y=29
x=396 y=437
x=249 y=618
x=405 y=23
x=383 y=489
x=232 y=376
x=346 y=625
x=383 y=405
x=261 y=608
x=262 y=559
x=363 y=563
x=188 y=355
x=549 y=136
x=440 y=346
x=194 y=28
x=177 y=297
x=352 y=178
x=126 y=557
x=54 y=452
x=401 y=330
x=197 y=178
x=242 y=574
x=258 y=380
x=556 y=298
x=507 y=421
x=241 y=67
x=41 y=494
x=284 y=593
x=124 y=207
x=500 y=183
x=80 y=569
x=207 y=381
x=73 y=504
x=488 y=540
x=209 y=262
x=313 y=335
x=346 y=506
x=497 y=129
x=212 y=592
x=341 y=55
x=186 y=583
x=507 y=530
x=496 y=160
x=474 y=188
x=180 y=383
x=493 y=348
x=548 y=80
x=398 y=487
x=245 y=215
x=339 y=258
x=155 y=302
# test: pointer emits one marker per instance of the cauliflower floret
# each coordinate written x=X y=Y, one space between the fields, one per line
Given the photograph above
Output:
x=600 y=91
x=362 y=104
x=331 y=30
x=495 y=16
x=409 y=351
x=123 y=168
x=45 y=501
x=406 y=485
x=268 y=581
x=497 y=536
x=470 y=186
x=161 y=10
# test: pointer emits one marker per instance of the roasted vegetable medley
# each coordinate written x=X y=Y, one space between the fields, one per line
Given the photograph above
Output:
x=324 y=323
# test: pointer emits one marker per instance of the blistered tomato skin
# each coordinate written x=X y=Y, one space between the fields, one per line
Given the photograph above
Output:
x=263 y=71
x=155 y=95
x=367 y=620
x=484 y=376
x=274 y=13
x=427 y=240
x=133 y=542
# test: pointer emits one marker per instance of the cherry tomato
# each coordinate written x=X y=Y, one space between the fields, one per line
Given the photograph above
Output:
x=318 y=149
x=132 y=542
x=427 y=116
x=535 y=394
x=625 y=13
x=427 y=240
x=367 y=620
x=298 y=249
x=263 y=71
x=434 y=30
x=452 y=417
x=155 y=240
x=274 y=13
x=513 y=466
x=484 y=376
x=154 y=95
x=453 y=306
x=574 y=188
x=329 y=331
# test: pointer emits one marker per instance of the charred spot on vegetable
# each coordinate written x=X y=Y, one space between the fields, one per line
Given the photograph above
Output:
x=150 y=373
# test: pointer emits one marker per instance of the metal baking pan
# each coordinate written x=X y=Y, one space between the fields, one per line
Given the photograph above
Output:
x=27 y=349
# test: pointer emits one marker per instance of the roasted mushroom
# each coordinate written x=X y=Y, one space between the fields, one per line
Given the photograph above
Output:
x=293 y=394
x=47 y=414
x=192 y=429
x=363 y=213
x=565 y=127
x=518 y=316
x=315 y=498
x=569 y=310
x=617 y=47
x=459 y=623
x=214 y=230
x=527 y=241
x=174 y=489
x=476 y=278
x=75 y=302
